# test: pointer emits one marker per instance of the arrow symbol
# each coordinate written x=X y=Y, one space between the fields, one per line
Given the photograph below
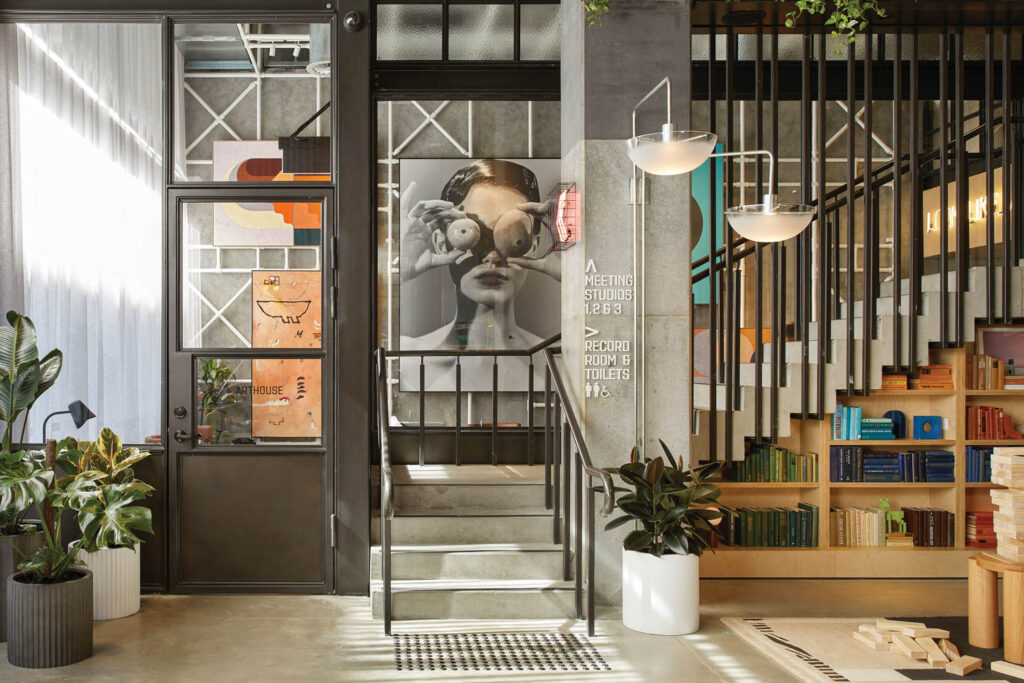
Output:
x=591 y=268
x=590 y=332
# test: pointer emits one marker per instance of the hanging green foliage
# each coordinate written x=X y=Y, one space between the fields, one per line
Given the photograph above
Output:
x=846 y=17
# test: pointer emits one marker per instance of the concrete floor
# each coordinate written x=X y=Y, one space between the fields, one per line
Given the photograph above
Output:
x=324 y=638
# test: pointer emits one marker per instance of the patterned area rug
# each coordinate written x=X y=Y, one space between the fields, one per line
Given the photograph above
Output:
x=823 y=651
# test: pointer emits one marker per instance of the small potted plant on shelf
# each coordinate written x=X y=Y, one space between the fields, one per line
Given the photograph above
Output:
x=675 y=511
x=217 y=396
x=49 y=601
x=24 y=377
x=106 y=489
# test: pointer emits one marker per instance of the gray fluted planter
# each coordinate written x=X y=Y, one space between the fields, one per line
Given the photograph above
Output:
x=49 y=624
x=9 y=559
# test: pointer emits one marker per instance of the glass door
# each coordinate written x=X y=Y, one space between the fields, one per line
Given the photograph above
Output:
x=251 y=303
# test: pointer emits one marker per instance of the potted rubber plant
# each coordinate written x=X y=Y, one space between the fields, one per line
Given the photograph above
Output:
x=106 y=490
x=49 y=600
x=24 y=377
x=675 y=512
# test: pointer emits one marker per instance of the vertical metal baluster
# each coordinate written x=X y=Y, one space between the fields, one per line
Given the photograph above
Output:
x=567 y=458
x=944 y=184
x=759 y=248
x=1007 y=155
x=555 y=467
x=990 y=184
x=837 y=280
x=729 y=330
x=916 y=220
x=590 y=559
x=897 y=203
x=423 y=432
x=712 y=227
x=548 y=455
x=776 y=258
x=578 y=535
x=529 y=415
x=385 y=554
x=962 y=196
x=803 y=241
x=494 y=412
x=870 y=225
x=823 y=270
x=458 y=410
x=851 y=216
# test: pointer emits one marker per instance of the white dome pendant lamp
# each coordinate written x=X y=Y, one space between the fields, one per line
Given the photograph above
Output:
x=674 y=152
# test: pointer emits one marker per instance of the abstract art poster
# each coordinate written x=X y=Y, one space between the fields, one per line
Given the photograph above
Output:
x=287 y=398
x=286 y=309
x=261 y=223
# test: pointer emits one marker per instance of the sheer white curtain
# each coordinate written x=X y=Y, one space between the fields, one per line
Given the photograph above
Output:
x=88 y=134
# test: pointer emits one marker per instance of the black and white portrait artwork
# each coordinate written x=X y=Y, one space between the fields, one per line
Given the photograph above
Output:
x=479 y=267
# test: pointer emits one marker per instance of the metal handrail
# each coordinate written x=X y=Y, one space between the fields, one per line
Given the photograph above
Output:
x=580 y=523
x=387 y=487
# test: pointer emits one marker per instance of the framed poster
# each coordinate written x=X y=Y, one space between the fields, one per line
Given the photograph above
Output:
x=286 y=309
x=479 y=266
x=701 y=239
x=286 y=397
x=269 y=224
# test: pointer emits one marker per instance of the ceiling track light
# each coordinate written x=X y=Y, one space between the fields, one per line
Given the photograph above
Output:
x=296 y=51
x=674 y=152
x=273 y=50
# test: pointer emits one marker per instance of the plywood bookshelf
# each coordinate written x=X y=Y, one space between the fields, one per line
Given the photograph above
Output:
x=873 y=562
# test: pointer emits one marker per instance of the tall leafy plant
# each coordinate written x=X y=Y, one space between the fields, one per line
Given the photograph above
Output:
x=24 y=377
x=103 y=489
x=675 y=509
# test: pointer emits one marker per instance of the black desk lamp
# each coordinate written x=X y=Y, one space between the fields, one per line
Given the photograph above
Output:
x=78 y=411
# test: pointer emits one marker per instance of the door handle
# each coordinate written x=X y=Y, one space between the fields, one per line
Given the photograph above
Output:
x=180 y=435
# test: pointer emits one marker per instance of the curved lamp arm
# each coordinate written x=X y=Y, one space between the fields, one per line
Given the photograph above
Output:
x=664 y=83
x=769 y=197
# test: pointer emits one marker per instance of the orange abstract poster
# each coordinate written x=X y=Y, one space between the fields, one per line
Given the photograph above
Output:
x=286 y=397
x=286 y=309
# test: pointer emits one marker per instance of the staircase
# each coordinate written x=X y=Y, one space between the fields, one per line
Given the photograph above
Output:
x=487 y=541
x=473 y=542
x=835 y=372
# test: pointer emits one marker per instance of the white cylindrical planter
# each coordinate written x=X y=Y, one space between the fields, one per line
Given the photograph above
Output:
x=115 y=581
x=660 y=595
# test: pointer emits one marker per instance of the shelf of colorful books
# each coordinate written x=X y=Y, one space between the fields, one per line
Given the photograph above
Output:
x=995 y=392
x=995 y=442
x=923 y=443
x=891 y=485
x=905 y=393
x=765 y=484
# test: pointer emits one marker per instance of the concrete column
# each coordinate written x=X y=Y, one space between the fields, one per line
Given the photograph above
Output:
x=606 y=69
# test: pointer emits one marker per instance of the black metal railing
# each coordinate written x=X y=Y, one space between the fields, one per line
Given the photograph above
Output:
x=569 y=472
x=938 y=151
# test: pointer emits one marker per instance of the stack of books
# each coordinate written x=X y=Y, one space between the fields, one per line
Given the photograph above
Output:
x=989 y=422
x=765 y=527
x=854 y=464
x=1008 y=520
x=894 y=382
x=979 y=463
x=934 y=377
x=930 y=527
x=848 y=424
x=768 y=463
x=980 y=530
x=985 y=372
x=857 y=527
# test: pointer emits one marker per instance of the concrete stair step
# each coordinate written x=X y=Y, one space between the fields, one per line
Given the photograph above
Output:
x=452 y=527
x=476 y=599
x=467 y=475
x=476 y=496
x=540 y=561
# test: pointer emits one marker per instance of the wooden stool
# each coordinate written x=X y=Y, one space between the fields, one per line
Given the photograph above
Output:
x=983 y=605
